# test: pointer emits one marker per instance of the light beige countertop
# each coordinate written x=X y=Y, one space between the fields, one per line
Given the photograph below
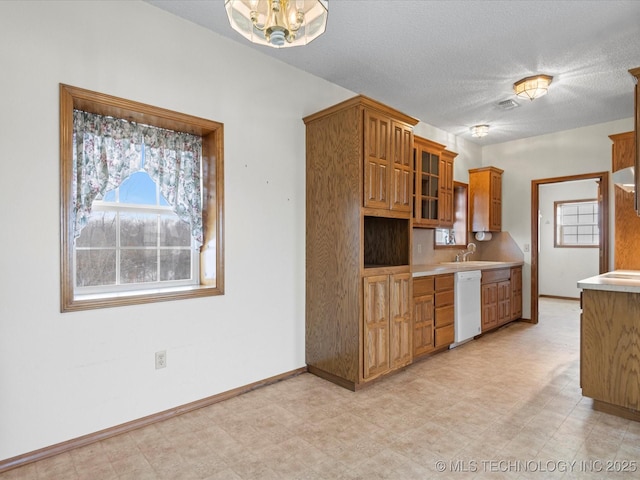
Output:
x=616 y=281
x=453 y=267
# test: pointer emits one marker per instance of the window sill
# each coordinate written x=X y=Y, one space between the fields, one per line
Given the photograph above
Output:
x=136 y=297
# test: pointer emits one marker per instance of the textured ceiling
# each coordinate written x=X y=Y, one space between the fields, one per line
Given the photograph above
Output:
x=448 y=63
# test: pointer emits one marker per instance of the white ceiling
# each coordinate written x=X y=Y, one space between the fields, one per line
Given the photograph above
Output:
x=448 y=63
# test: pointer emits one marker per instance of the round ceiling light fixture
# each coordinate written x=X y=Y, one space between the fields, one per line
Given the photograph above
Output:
x=532 y=87
x=479 y=130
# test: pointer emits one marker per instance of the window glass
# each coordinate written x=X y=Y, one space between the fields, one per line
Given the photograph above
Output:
x=576 y=224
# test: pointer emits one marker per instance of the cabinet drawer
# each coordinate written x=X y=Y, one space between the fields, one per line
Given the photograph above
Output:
x=494 y=276
x=422 y=286
x=444 y=316
x=444 y=336
x=444 y=298
x=444 y=282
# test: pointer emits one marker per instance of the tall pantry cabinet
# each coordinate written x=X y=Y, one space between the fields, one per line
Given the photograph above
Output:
x=358 y=241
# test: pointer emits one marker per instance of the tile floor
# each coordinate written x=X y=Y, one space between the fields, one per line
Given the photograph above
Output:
x=507 y=405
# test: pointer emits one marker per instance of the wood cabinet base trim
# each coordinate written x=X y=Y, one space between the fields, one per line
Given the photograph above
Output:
x=58 y=448
x=318 y=372
x=616 y=410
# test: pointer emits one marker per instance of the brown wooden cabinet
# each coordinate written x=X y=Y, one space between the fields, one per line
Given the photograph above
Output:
x=516 y=293
x=428 y=173
x=485 y=199
x=387 y=324
x=627 y=222
x=358 y=241
x=444 y=311
x=433 y=313
x=495 y=293
x=489 y=306
x=423 y=315
x=636 y=73
x=446 y=206
x=610 y=351
x=388 y=148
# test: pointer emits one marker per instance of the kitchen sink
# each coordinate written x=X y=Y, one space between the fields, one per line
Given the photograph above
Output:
x=471 y=263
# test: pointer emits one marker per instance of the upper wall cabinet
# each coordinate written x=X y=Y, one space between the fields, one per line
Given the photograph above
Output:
x=636 y=73
x=446 y=208
x=485 y=199
x=433 y=184
x=426 y=172
x=388 y=144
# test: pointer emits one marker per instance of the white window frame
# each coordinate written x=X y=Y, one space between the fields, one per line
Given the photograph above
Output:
x=560 y=225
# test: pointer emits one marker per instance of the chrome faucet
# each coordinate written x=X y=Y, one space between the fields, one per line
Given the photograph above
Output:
x=463 y=255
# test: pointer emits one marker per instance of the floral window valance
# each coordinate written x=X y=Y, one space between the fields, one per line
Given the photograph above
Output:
x=108 y=150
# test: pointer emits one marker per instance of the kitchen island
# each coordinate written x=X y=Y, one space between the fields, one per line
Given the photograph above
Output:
x=610 y=342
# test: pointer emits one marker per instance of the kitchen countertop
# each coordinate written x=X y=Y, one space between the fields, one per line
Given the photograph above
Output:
x=453 y=267
x=616 y=281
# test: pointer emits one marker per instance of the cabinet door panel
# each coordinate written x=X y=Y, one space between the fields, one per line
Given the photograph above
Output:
x=422 y=324
x=376 y=326
x=444 y=316
x=444 y=336
x=377 y=147
x=489 y=294
x=444 y=298
x=504 y=301
x=402 y=152
x=400 y=320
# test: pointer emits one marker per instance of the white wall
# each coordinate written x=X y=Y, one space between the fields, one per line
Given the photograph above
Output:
x=66 y=375
x=560 y=269
x=572 y=152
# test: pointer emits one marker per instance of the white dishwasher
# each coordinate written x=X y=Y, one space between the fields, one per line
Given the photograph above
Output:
x=467 y=323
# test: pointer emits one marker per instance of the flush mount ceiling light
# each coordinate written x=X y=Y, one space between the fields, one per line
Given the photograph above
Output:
x=479 y=130
x=278 y=23
x=532 y=87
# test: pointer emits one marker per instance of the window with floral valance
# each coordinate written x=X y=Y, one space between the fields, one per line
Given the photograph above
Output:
x=107 y=145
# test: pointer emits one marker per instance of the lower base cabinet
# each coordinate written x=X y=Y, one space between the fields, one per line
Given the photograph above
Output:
x=444 y=313
x=433 y=313
x=501 y=297
x=387 y=324
x=423 y=315
x=610 y=351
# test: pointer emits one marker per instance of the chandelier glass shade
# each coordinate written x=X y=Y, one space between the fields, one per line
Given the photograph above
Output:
x=278 y=23
x=532 y=87
x=479 y=130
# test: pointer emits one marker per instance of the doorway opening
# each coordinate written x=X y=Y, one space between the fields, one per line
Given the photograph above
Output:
x=602 y=180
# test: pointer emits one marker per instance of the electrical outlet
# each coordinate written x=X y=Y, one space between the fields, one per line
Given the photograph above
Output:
x=161 y=359
x=526 y=247
x=419 y=248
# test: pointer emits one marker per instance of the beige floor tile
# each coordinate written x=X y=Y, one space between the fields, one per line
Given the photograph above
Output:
x=503 y=406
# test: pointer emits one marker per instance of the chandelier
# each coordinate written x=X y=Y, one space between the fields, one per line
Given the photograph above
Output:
x=278 y=23
x=532 y=87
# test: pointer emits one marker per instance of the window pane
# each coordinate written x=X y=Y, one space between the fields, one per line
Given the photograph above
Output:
x=174 y=232
x=95 y=267
x=570 y=209
x=100 y=231
x=138 y=266
x=138 y=189
x=585 y=208
x=569 y=219
x=175 y=264
x=138 y=230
